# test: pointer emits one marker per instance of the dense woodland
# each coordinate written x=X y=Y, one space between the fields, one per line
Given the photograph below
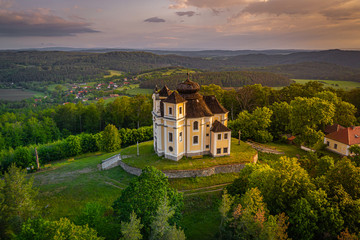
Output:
x=223 y=79
x=41 y=66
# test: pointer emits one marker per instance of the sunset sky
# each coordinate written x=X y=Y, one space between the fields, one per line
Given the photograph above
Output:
x=181 y=24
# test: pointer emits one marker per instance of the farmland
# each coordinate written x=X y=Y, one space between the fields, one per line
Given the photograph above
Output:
x=18 y=94
x=346 y=85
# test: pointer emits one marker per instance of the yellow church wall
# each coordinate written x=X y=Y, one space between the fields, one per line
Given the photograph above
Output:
x=181 y=145
x=168 y=143
x=178 y=115
x=166 y=109
x=223 y=143
x=192 y=133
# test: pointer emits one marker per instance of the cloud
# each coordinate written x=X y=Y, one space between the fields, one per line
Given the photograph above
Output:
x=4 y=4
x=39 y=22
x=154 y=20
x=178 y=4
x=187 y=13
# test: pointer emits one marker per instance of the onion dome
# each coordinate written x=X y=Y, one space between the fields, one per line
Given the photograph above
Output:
x=188 y=87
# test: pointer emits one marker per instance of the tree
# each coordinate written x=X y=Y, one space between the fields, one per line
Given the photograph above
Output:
x=280 y=119
x=224 y=209
x=142 y=196
x=18 y=197
x=131 y=230
x=344 y=111
x=355 y=149
x=95 y=216
x=307 y=116
x=110 y=139
x=160 y=227
x=73 y=145
x=251 y=220
x=253 y=125
x=40 y=229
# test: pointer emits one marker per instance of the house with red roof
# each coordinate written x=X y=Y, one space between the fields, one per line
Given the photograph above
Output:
x=342 y=139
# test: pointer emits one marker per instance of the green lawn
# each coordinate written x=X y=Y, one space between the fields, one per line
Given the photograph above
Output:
x=347 y=85
x=239 y=154
x=202 y=182
x=135 y=90
x=68 y=185
x=201 y=217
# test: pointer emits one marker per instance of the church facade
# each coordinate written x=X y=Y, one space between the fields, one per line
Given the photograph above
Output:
x=185 y=123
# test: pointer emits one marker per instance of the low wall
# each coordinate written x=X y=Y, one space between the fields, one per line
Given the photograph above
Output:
x=111 y=162
x=190 y=173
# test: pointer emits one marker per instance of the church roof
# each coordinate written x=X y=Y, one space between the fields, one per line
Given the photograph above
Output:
x=214 y=105
x=164 y=92
x=196 y=108
x=188 y=87
x=174 y=98
x=219 y=127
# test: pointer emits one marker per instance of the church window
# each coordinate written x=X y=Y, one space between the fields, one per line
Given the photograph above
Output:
x=225 y=150
x=335 y=146
x=196 y=140
x=170 y=137
x=218 y=151
x=170 y=110
x=219 y=136
x=196 y=125
x=207 y=146
x=171 y=149
x=225 y=136
x=180 y=110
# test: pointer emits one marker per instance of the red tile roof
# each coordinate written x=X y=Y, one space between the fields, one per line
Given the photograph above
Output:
x=348 y=136
x=333 y=128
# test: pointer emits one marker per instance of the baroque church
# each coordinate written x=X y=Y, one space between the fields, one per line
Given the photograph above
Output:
x=185 y=123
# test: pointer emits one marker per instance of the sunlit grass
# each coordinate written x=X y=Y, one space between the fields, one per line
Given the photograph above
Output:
x=239 y=154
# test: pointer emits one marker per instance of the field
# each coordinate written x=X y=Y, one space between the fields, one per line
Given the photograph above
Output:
x=239 y=154
x=18 y=94
x=346 y=85
x=66 y=186
x=134 y=89
x=113 y=73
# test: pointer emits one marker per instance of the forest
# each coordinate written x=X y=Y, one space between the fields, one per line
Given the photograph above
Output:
x=223 y=79
x=57 y=66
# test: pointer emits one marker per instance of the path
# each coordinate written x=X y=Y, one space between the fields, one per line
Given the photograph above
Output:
x=263 y=148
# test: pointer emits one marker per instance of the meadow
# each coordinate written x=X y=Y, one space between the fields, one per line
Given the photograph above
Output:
x=346 y=85
x=18 y=94
x=239 y=154
x=67 y=185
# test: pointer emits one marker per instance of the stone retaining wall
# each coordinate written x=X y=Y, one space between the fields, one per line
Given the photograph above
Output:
x=191 y=173
x=111 y=162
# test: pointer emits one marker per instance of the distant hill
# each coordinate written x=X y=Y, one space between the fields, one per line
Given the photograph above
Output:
x=223 y=79
x=314 y=70
x=60 y=66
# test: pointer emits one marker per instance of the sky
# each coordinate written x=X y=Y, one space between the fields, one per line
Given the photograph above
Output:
x=180 y=24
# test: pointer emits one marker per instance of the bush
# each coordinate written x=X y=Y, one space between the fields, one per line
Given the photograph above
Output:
x=24 y=157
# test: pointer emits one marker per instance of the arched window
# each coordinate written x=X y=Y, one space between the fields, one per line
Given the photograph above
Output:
x=196 y=125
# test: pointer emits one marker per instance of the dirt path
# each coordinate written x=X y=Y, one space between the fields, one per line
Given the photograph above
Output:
x=216 y=190
x=203 y=188
x=114 y=185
